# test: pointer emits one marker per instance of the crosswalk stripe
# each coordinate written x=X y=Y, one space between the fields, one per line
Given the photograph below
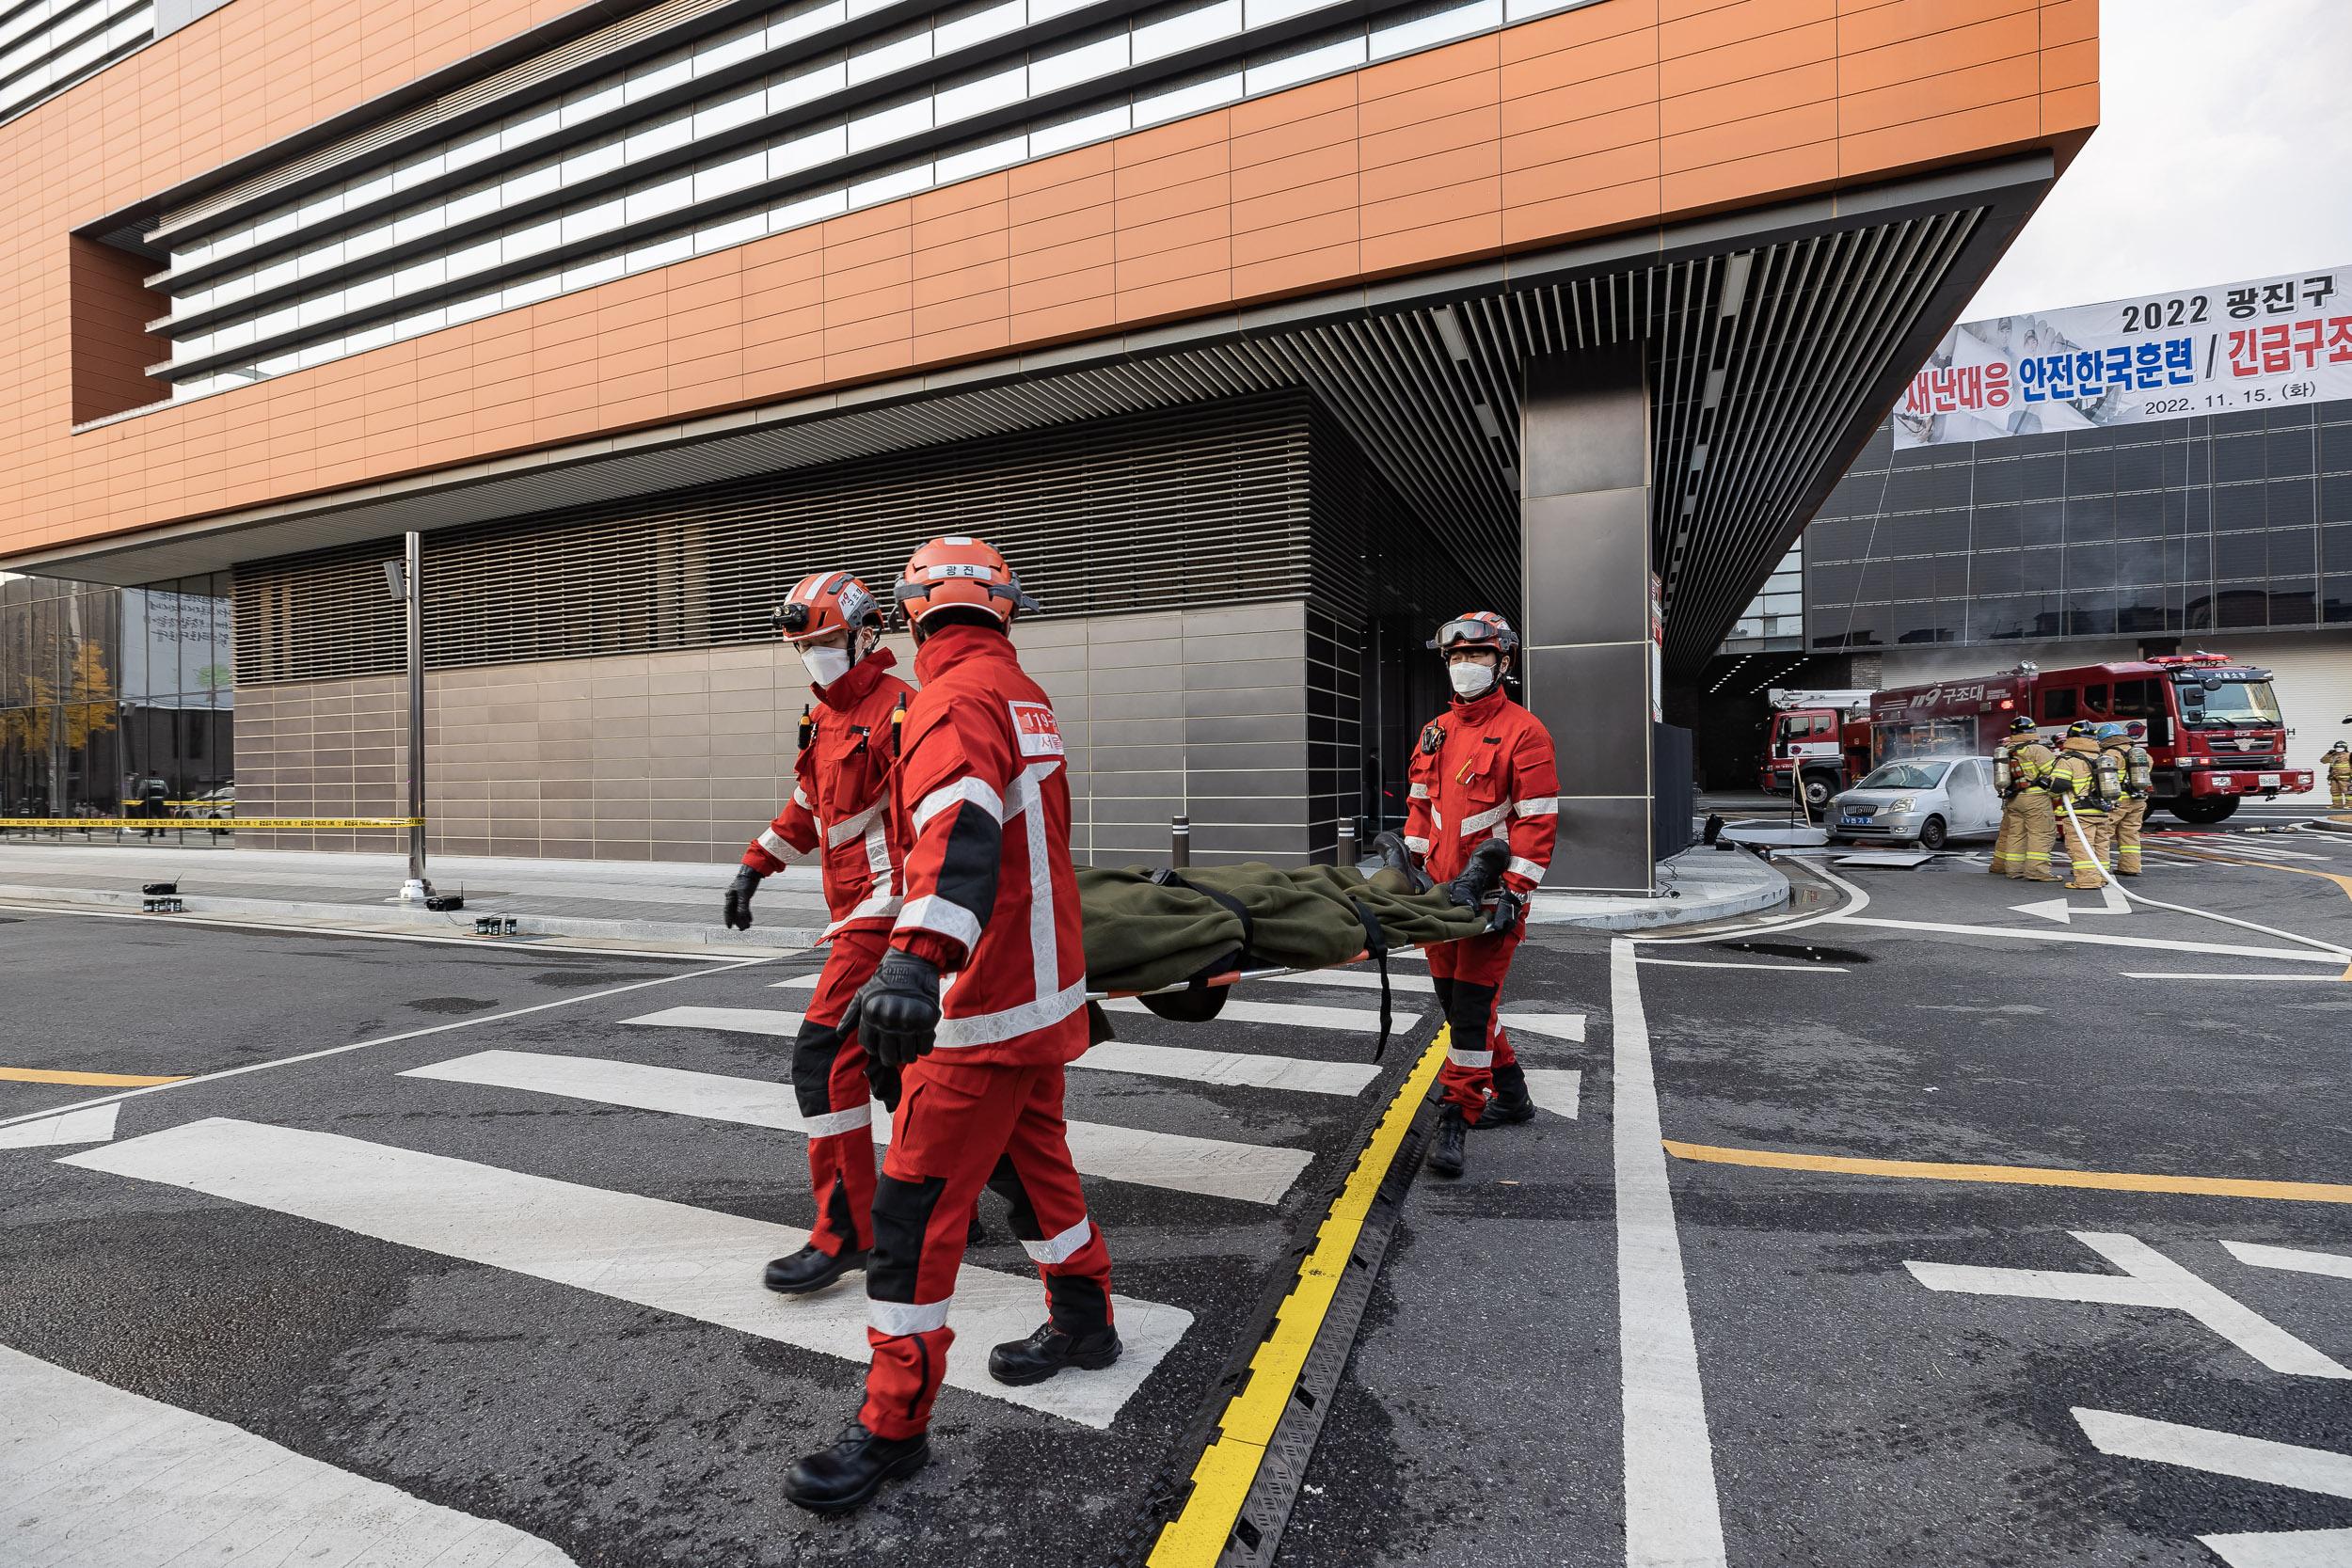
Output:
x=97 y=1477
x=1560 y=1027
x=1235 y=1067
x=1356 y=979
x=94 y=1124
x=740 y=1020
x=1556 y=1089
x=1215 y=1168
x=694 y=1262
x=801 y=982
x=1304 y=1015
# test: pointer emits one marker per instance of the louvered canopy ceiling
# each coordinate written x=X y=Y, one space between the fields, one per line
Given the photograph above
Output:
x=1777 y=340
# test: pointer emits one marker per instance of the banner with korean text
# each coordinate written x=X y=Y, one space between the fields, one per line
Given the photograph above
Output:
x=2265 y=344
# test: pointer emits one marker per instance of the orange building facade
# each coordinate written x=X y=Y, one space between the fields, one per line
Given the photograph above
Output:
x=296 y=279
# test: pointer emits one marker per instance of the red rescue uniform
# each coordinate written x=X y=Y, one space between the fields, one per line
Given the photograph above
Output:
x=982 y=802
x=1484 y=770
x=840 y=797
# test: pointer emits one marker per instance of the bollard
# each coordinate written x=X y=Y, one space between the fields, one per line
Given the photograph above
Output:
x=1179 y=841
x=1348 y=854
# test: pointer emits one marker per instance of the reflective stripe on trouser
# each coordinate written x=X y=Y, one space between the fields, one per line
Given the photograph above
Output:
x=829 y=1080
x=960 y=1126
x=2037 y=835
x=2123 y=824
x=2340 y=797
x=2085 y=845
x=1469 y=975
x=2008 y=855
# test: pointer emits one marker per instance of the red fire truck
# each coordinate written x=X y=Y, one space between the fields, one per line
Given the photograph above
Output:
x=1821 y=737
x=2214 y=731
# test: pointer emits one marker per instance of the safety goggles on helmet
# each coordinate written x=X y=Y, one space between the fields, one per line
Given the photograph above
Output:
x=1480 y=629
x=2082 y=729
x=824 y=602
x=2020 y=724
x=961 y=571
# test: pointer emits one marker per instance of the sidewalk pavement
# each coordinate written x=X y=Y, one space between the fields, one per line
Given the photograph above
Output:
x=662 y=905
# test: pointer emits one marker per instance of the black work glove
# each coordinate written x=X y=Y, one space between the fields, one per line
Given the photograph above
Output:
x=898 y=1008
x=738 y=912
x=1507 y=913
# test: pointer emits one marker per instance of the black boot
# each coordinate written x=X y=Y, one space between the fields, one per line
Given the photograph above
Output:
x=1510 y=1104
x=841 y=1478
x=811 y=1269
x=974 y=1233
x=1048 y=1351
x=1396 y=857
x=1446 y=1155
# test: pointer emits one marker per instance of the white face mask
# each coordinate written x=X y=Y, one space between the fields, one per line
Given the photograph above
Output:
x=825 y=665
x=1471 y=678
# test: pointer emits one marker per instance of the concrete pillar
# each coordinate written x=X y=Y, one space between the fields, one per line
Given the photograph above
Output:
x=1590 y=664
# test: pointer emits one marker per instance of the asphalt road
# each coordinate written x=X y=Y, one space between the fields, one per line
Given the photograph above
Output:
x=465 y=1287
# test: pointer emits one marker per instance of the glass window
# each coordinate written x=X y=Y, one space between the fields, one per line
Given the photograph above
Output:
x=2095 y=698
x=2058 y=703
x=2290 y=504
x=2287 y=451
x=1906 y=775
x=2130 y=699
x=1998 y=528
x=2237 y=458
x=2139 y=609
x=2241 y=701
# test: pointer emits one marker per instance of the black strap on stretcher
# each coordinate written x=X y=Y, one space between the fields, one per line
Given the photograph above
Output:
x=1378 y=950
x=1243 y=957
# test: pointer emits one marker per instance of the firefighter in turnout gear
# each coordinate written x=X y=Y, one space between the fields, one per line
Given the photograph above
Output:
x=2339 y=760
x=1481 y=772
x=978 y=1005
x=2086 y=780
x=839 y=793
x=2022 y=768
x=2138 y=777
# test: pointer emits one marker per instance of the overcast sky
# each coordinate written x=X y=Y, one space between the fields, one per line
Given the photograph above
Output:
x=2224 y=151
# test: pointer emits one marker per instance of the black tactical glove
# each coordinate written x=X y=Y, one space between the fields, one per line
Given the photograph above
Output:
x=898 y=1009
x=1507 y=913
x=738 y=912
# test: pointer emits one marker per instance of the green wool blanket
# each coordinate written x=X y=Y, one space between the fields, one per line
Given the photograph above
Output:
x=1141 y=935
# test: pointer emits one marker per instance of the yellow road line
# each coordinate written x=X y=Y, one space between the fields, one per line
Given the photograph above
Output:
x=2027 y=1176
x=1228 y=1467
x=96 y=1080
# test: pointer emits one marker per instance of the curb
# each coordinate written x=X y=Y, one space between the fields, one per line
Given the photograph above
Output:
x=756 y=942
x=1242 y=1487
x=1646 y=914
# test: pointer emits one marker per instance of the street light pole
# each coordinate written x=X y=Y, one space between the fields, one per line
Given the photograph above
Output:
x=416 y=890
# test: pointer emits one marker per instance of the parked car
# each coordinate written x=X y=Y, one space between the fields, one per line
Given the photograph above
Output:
x=1925 y=800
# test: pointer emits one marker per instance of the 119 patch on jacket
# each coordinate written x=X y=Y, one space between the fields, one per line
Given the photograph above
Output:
x=1033 y=723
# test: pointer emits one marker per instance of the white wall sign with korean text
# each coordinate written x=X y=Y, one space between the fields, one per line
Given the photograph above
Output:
x=2265 y=344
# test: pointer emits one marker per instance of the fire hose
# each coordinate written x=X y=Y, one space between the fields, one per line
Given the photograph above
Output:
x=2083 y=839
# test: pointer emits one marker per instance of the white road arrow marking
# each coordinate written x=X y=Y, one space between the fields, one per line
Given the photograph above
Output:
x=2261 y=1257
x=2149 y=1279
x=95 y=1125
x=2224 y=1453
x=1558 y=1090
x=2286 y=1549
x=2111 y=901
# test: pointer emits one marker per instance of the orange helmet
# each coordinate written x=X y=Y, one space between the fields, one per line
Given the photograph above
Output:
x=961 y=571
x=822 y=602
x=1480 y=629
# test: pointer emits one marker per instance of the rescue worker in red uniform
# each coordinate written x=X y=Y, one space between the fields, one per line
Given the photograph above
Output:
x=978 y=1004
x=1484 y=771
x=839 y=793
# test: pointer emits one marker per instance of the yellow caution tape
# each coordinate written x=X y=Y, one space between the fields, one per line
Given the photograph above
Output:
x=1229 y=1468
x=214 y=824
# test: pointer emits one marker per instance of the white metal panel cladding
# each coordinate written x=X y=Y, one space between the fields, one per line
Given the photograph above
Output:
x=1205 y=506
x=48 y=45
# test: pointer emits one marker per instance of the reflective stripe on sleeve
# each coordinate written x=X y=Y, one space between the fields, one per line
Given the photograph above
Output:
x=799 y=799
x=776 y=846
x=948 y=796
x=834 y=1123
x=1469 y=1058
x=933 y=913
x=1055 y=1249
x=906 y=1317
x=1548 y=805
x=1533 y=870
x=1418 y=846
x=1485 y=820
x=988 y=1028
x=1420 y=792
